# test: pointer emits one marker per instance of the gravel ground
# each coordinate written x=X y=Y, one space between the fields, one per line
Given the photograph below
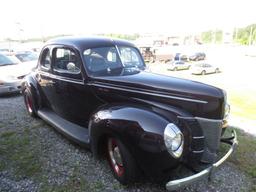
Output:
x=40 y=159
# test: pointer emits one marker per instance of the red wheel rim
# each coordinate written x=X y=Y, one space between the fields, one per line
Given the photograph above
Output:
x=115 y=157
x=29 y=103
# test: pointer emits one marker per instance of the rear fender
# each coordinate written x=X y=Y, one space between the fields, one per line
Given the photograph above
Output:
x=30 y=82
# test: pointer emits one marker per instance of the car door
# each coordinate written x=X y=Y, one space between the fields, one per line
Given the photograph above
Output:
x=43 y=77
x=183 y=65
x=210 y=69
x=73 y=98
x=177 y=65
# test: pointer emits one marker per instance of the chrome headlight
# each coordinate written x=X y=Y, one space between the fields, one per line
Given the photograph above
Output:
x=174 y=140
x=227 y=106
x=227 y=111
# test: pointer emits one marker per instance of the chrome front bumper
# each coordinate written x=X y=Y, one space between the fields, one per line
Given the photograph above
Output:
x=206 y=173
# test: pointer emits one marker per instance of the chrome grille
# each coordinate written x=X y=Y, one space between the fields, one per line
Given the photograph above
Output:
x=212 y=133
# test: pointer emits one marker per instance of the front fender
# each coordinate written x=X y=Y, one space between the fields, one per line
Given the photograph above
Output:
x=139 y=128
x=132 y=124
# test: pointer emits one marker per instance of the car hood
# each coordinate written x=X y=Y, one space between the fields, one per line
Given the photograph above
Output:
x=17 y=70
x=167 y=85
x=170 y=90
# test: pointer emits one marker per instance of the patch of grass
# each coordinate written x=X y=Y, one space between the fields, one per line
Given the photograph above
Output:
x=7 y=134
x=245 y=155
x=243 y=104
x=1 y=125
x=2 y=166
x=37 y=125
x=117 y=186
x=97 y=186
x=75 y=183
x=17 y=153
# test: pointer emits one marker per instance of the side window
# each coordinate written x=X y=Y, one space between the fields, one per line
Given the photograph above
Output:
x=45 y=60
x=66 y=61
x=128 y=55
x=111 y=56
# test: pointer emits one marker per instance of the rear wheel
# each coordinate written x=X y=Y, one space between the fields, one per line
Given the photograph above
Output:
x=121 y=161
x=217 y=70
x=29 y=102
x=175 y=69
x=203 y=72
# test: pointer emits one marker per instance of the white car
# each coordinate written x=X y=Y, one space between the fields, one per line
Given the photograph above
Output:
x=178 y=65
x=26 y=56
x=204 y=68
x=12 y=72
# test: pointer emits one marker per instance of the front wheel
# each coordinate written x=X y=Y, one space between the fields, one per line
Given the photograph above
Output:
x=121 y=161
x=29 y=103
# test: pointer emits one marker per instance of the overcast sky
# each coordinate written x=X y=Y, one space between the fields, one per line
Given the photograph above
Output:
x=49 y=17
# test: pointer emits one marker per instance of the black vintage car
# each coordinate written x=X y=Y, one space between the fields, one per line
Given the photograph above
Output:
x=97 y=92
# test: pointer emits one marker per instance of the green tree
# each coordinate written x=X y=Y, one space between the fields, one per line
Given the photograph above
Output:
x=212 y=36
x=246 y=35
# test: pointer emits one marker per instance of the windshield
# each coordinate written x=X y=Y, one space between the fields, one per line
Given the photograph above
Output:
x=110 y=61
x=7 y=60
x=23 y=57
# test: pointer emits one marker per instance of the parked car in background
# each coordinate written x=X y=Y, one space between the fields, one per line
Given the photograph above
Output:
x=197 y=56
x=12 y=73
x=204 y=68
x=96 y=91
x=178 y=65
x=6 y=51
x=26 y=56
x=181 y=57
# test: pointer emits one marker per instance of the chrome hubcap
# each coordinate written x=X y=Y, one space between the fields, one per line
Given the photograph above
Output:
x=115 y=157
x=29 y=104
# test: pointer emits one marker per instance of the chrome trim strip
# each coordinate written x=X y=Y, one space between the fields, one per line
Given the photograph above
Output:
x=61 y=78
x=209 y=120
x=198 y=151
x=202 y=119
x=198 y=137
x=206 y=173
x=152 y=94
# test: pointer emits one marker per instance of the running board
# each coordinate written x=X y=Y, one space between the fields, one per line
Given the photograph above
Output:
x=73 y=131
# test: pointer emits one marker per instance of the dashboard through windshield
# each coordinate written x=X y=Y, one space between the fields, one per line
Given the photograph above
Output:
x=110 y=61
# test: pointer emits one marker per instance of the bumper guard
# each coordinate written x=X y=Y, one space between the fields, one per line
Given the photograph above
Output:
x=206 y=173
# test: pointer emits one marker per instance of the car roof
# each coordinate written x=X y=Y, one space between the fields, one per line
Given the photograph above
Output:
x=83 y=43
